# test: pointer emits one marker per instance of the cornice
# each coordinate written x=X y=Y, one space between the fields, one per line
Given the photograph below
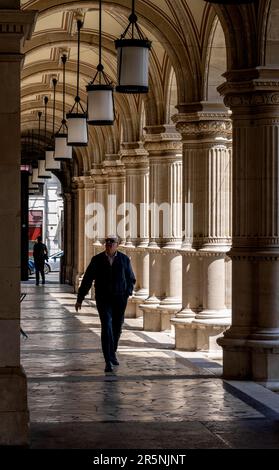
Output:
x=18 y=22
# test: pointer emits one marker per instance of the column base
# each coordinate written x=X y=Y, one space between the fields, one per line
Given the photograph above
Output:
x=168 y=308
x=151 y=314
x=265 y=363
x=14 y=415
x=133 y=309
x=191 y=335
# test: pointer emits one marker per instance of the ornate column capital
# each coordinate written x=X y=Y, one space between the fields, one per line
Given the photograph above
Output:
x=78 y=182
x=260 y=90
x=199 y=121
x=133 y=155
x=163 y=141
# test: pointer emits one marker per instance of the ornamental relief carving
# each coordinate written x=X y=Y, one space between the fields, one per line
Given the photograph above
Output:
x=161 y=137
x=252 y=99
x=205 y=128
x=256 y=242
x=163 y=146
x=136 y=160
x=254 y=258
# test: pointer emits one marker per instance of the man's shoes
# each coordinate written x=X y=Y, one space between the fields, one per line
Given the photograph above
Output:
x=37 y=284
x=108 y=367
x=114 y=361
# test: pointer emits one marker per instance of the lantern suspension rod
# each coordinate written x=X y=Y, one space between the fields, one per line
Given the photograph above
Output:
x=39 y=134
x=100 y=67
x=54 y=82
x=133 y=17
x=46 y=102
x=64 y=59
x=79 y=25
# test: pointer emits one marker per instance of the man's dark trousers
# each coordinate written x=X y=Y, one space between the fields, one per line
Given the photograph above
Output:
x=111 y=311
x=40 y=268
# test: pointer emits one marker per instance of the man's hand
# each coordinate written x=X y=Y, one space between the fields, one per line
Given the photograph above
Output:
x=77 y=306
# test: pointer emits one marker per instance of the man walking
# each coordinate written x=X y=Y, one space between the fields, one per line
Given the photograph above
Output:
x=114 y=281
x=40 y=254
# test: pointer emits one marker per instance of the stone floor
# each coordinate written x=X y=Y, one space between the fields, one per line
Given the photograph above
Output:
x=158 y=398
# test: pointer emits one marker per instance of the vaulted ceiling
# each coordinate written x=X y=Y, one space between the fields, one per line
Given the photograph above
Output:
x=185 y=36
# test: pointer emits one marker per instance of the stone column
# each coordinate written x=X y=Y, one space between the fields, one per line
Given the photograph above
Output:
x=79 y=214
x=116 y=196
x=89 y=198
x=15 y=26
x=99 y=210
x=134 y=158
x=68 y=238
x=163 y=144
x=206 y=134
x=251 y=345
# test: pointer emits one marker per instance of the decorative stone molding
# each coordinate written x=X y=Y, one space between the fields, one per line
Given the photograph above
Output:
x=17 y=22
x=205 y=128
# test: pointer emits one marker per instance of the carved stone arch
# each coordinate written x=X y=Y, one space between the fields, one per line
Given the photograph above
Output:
x=128 y=118
x=142 y=119
x=78 y=162
x=270 y=25
x=171 y=96
x=239 y=23
x=151 y=109
x=215 y=63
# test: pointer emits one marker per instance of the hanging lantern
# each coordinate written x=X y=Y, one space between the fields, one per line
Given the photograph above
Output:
x=32 y=185
x=35 y=177
x=62 y=151
x=100 y=103
x=132 y=59
x=51 y=163
x=43 y=173
x=77 y=121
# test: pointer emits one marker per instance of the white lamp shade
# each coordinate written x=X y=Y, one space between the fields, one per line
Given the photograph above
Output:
x=100 y=109
x=32 y=185
x=132 y=65
x=35 y=177
x=43 y=173
x=77 y=129
x=51 y=164
x=62 y=150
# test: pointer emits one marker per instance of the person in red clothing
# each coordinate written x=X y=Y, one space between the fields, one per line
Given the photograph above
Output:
x=114 y=281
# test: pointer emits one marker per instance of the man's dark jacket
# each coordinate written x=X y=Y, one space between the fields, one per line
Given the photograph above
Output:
x=110 y=280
